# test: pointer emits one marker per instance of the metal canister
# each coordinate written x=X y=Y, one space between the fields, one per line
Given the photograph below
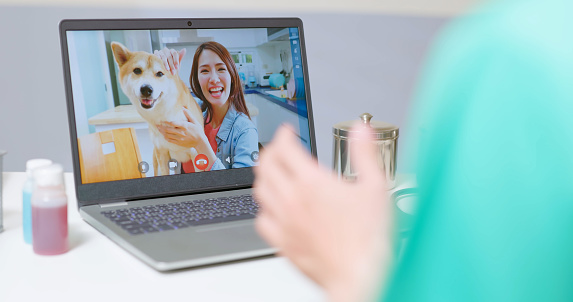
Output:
x=1 y=214
x=385 y=138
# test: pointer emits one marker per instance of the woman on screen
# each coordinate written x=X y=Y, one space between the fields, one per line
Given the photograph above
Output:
x=230 y=139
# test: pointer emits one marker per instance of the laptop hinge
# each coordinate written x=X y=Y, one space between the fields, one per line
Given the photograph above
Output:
x=113 y=204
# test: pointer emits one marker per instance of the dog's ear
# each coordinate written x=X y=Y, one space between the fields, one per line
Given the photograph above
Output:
x=120 y=53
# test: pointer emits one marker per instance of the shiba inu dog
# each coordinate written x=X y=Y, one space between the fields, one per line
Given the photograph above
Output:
x=159 y=96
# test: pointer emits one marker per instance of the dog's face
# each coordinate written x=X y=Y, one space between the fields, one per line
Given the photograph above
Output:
x=144 y=79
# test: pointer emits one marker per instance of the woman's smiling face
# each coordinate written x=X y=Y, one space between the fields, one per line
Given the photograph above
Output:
x=214 y=78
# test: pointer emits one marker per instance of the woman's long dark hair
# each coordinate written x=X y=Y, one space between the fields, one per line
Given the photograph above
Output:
x=236 y=96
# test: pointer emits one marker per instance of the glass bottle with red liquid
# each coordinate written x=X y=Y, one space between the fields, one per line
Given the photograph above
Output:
x=49 y=211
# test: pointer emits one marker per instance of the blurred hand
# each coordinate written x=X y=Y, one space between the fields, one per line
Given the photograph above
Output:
x=171 y=58
x=336 y=233
x=186 y=134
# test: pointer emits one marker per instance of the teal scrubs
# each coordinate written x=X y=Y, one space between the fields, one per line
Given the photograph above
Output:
x=494 y=114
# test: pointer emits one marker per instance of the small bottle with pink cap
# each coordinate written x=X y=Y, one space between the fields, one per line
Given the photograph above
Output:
x=49 y=211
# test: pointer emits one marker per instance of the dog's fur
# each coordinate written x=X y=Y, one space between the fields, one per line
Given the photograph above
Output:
x=158 y=96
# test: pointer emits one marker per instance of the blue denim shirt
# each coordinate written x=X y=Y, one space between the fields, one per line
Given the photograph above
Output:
x=237 y=142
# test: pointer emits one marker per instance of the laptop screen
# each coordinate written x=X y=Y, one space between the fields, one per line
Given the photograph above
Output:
x=165 y=98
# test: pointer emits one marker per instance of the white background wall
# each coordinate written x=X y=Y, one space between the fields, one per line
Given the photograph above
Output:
x=412 y=7
x=363 y=55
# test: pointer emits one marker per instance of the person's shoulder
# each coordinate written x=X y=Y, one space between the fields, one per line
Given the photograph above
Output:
x=239 y=121
x=243 y=122
x=513 y=24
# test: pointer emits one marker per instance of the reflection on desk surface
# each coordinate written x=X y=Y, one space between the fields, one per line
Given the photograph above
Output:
x=128 y=114
x=117 y=115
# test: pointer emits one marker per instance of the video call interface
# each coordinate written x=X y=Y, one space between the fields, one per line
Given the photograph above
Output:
x=133 y=115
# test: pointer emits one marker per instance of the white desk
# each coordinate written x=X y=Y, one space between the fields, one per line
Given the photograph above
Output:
x=96 y=269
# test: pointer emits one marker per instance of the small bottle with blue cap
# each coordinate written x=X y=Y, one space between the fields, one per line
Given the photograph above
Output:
x=27 y=195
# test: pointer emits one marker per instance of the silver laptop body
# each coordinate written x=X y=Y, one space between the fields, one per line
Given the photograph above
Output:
x=268 y=54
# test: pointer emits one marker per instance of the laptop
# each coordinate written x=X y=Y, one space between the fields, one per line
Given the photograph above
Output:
x=194 y=214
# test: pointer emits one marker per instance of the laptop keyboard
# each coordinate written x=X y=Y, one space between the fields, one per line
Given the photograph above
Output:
x=172 y=216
